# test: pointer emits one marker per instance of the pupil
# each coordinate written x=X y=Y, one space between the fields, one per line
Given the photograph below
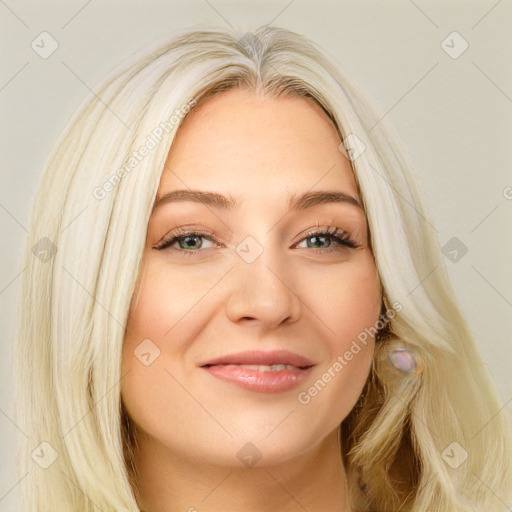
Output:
x=317 y=238
x=186 y=240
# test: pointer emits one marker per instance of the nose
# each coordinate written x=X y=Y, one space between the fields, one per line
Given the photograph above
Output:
x=264 y=293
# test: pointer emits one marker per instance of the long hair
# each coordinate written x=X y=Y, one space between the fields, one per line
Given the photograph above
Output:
x=84 y=249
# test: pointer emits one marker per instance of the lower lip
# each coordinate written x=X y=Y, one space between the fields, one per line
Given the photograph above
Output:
x=263 y=382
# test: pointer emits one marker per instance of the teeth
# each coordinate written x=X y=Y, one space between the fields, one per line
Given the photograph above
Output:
x=266 y=368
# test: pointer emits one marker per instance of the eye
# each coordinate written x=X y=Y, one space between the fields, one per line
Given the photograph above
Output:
x=330 y=233
x=189 y=241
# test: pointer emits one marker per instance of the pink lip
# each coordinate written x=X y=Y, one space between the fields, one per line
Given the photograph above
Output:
x=260 y=357
x=263 y=382
x=228 y=368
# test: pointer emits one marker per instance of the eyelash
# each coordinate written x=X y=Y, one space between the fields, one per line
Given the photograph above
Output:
x=342 y=237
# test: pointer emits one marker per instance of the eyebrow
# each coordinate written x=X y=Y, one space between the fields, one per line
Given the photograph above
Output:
x=295 y=202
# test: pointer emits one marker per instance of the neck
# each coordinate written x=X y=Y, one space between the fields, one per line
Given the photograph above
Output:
x=314 y=481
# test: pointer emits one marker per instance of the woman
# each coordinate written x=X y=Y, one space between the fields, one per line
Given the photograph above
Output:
x=185 y=344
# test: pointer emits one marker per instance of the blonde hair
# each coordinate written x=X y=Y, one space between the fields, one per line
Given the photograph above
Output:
x=89 y=223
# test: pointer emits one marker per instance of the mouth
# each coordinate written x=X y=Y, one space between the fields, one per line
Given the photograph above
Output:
x=262 y=358
x=264 y=372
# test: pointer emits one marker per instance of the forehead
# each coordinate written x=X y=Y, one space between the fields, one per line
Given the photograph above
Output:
x=247 y=145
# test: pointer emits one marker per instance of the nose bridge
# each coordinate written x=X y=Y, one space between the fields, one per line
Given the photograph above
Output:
x=263 y=285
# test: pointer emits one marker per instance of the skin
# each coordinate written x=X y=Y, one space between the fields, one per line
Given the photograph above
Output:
x=189 y=425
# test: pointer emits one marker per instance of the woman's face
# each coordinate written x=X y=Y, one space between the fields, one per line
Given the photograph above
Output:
x=256 y=287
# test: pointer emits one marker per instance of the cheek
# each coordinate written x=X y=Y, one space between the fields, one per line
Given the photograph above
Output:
x=350 y=305
x=348 y=300
x=165 y=306
x=160 y=328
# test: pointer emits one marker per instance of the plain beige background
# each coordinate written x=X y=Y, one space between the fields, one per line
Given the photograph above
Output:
x=454 y=115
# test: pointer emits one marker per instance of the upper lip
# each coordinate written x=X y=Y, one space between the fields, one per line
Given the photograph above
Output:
x=258 y=357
